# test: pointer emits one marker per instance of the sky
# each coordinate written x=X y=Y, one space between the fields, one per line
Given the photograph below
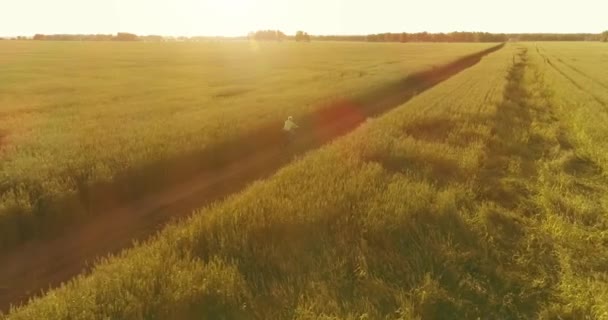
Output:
x=319 y=17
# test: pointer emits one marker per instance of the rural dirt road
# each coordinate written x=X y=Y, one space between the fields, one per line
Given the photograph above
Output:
x=31 y=268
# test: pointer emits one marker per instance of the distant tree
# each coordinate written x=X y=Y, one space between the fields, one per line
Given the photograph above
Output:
x=302 y=36
x=340 y=38
x=268 y=35
x=439 y=37
x=425 y=37
x=372 y=38
x=604 y=37
x=464 y=37
x=124 y=36
x=39 y=37
x=101 y=37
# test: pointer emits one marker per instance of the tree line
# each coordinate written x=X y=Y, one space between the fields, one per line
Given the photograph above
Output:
x=121 y=36
x=277 y=35
x=557 y=37
x=437 y=37
x=267 y=35
x=465 y=37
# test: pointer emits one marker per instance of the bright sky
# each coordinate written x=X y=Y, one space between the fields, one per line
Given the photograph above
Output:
x=238 y=17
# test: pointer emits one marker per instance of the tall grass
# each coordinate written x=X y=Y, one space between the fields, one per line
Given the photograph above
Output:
x=585 y=60
x=576 y=184
x=77 y=114
x=471 y=201
x=381 y=223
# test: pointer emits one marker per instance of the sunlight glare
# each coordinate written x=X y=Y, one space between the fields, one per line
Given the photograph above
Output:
x=231 y=7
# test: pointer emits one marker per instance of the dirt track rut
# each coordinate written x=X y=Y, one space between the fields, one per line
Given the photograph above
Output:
x=33 y=267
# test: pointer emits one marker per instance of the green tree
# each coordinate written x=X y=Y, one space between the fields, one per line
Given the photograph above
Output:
x=123 y=36
x=302 y=36
x=604 y=36
x=268 y=35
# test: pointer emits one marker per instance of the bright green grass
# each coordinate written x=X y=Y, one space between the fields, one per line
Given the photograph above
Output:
x=81 y=112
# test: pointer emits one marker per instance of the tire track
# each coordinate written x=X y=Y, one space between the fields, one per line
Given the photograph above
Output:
x=508 y=186
x=577 y=70
x=572 y=80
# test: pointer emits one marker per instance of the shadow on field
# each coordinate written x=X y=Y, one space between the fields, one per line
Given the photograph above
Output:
x=2 y=139
x=509 y=182
x=481 y=255
x=504 y=254
x=136 y=204
x=431 y=146
x=518 y=144
x=436 y=253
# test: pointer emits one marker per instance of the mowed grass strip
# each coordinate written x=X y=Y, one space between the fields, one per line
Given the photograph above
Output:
x=388 y=222
x=76 y=114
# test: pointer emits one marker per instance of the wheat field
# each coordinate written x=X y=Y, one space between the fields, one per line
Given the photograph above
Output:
x=76 y=114
x=481 y=198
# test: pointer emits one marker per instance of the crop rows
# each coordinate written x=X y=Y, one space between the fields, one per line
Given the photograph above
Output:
x=75 y=116
x=385 y=222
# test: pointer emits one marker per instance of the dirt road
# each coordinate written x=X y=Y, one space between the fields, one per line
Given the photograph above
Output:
x=38 y=265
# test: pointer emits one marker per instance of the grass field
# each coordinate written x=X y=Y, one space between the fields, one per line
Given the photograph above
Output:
x=587 y=61
x=76 y=114
x=579 y=192
x=484 y=197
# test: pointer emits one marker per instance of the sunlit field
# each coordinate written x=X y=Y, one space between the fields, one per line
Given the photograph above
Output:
x=588 y=62
x=484 y=197
x=74 y=114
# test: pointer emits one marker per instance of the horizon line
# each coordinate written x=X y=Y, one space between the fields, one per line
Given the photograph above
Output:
x=313 y=35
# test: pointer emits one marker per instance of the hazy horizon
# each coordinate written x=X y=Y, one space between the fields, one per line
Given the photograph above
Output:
x=232 y=18
x=289 y=34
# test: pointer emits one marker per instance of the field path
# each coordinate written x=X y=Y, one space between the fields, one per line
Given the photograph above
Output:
x=36 y=266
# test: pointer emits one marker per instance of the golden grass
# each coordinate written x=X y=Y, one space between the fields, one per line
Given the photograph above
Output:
x=76 y=114
x=480 y=198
